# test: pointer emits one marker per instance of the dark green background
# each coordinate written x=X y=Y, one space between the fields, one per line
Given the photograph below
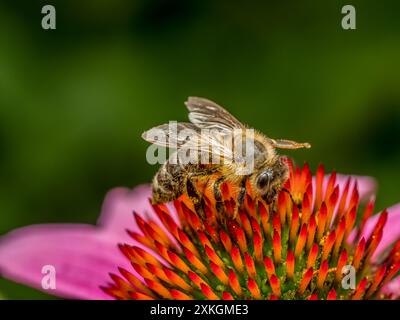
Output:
x=74 y=101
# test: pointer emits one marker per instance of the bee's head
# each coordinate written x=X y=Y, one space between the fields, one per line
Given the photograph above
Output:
x=270 y=180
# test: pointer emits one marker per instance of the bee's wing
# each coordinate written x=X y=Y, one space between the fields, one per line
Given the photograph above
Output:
x=211 y=144
x=187 y=136
x=209 y=115
x=168 y=135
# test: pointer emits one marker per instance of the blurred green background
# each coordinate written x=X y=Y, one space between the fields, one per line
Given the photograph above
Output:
x=74 y=101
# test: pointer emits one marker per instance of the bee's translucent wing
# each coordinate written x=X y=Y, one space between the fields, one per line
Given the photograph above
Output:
x=187 y=136
x=214 y=145
x=209 y=115
x=171 y=134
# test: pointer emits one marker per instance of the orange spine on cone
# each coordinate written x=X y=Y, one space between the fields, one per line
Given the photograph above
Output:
x=208 y=292
x=343 y=200
x=146 y=256
x=306 y=209
x=331 y=204
x=359 y=253
x=275 y=286
x=237 y=259
x=264 y=217
x=219 y=273
x=212 y=255
x=178 y=262
x=392 y=271
x=269 y=266
x=141 y=239
x=178 y=295
x=282 y=207
x=258 y=246
x=339 y=236
x=341 y=263
x=330 y=240
x=379 y=225
x=312 y=256
x=251 y=270
x=358 y=294
x=290 y=264
x=234 y=283
x=314 y=296
x=253 y=288
x=350 y=220
x=276 y=223
x=323 y=271
x=305 y=281
x=322 y=214
x=294 y=226
x=158 y=288
x=226 y=241
x=311 y=231
x=331 y=295
x=330 y=186
x=134 y=281
x=203 y=239
x=277 y=246
x=140 y=296
x=174 y=278
x=375 y=240
x=301 y=241
x=195 y=279
x=143 y=272
x=227 y=296
x=184 y=239
x=255 y=225
x=380 y=273
x=241 y=239
x=244 y=219
x=163 y=251
x=158 y=272
x=319 y=179
x=355 y=197
x=394 y=255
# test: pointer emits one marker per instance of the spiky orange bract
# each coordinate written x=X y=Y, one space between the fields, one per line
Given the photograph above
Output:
x=287 y=250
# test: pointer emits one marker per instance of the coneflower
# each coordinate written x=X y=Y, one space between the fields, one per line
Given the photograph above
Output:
x=300 y=247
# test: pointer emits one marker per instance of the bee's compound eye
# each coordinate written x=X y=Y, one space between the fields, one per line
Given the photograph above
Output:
x=264 y=178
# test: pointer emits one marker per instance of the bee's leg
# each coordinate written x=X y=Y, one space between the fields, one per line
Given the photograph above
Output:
x=193 y=193
x=241 y=196
x=194 y=196
x=291 y=198
x=269 y=197
x=219 y=203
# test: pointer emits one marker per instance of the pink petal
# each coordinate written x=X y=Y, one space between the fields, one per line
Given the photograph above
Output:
x=82 y=255
x=392 y=288
x=118 y=207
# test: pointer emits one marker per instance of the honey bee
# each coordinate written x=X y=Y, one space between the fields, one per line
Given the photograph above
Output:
x=209 y=128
